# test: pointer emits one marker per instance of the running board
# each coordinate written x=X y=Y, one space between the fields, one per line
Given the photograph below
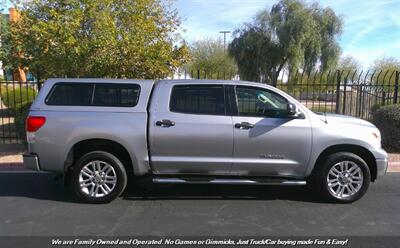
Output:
x=230 y=181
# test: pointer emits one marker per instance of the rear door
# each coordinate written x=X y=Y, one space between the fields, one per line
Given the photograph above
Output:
x=191 y=130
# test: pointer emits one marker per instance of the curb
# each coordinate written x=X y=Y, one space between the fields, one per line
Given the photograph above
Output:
x=12 y=167
x=394 y=167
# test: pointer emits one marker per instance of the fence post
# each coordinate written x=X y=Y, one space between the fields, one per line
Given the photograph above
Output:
x=344 y=97
x=337 y=92
x=396 y=87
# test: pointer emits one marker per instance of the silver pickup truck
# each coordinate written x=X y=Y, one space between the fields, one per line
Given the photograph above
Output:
x=97 y=133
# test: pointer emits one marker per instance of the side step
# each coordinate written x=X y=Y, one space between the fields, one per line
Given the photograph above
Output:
x=229 y=181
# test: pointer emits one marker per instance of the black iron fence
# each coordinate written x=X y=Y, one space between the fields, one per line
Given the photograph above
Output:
x=348 y=92
x=15 y=100
x=342 y=92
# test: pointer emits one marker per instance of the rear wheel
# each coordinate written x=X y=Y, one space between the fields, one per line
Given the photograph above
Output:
x=98 y=177
x=342 y=177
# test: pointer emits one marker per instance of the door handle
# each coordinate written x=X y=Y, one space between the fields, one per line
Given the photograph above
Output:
x=244 y=125
x=165 y=123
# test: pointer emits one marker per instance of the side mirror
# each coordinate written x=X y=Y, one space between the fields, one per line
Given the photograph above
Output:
x=292 y=110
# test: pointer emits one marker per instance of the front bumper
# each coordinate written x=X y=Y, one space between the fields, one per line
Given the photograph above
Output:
x=31 y=161
x=381 y=158
x=381 y=167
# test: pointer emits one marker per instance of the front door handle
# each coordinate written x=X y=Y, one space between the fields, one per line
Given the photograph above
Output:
x=244 y=125
x=165 y=123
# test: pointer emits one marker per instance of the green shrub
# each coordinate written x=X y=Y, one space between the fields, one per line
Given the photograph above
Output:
x=18 y=101
x=387 y=119
x=12 y=96
x=375 y=107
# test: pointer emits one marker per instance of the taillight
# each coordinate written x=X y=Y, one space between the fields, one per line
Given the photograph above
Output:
x=33 y=123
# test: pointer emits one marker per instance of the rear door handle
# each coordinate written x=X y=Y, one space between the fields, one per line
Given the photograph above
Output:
x=244 y=125
x=165 y=123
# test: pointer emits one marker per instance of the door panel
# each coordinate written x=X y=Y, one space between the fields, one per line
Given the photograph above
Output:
x=197 y=143
x=269 y=144
x=273 y=147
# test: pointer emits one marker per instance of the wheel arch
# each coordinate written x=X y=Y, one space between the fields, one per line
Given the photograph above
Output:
x=88 y=145
x=360 y=151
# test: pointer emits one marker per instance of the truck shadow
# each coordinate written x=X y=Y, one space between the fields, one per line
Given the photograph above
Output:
x=42 y=186
x=220 y=192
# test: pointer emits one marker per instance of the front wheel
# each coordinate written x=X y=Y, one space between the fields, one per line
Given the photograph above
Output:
x=342 y=177
x=98 y=177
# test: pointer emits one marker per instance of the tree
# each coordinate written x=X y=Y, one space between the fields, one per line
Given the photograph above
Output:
x=292 y=35
x=386 y=63
x=348 y=63
x=3 y=34
x=211 y=60
x=9 y=54
x=385 y=68
x=99 y=38
x=348 y=67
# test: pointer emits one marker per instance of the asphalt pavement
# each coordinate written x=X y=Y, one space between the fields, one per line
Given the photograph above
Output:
x=33 y=204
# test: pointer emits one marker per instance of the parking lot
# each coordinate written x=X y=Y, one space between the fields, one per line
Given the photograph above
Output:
x=35 y=204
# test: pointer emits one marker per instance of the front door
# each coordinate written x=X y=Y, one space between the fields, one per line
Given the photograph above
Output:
x=267 y=142
x=193 y=133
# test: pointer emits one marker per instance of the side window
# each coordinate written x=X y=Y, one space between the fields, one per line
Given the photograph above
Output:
x=72 y=94
x=198 y=99
x=259 y=102
x=94 y=94
x=117 y=95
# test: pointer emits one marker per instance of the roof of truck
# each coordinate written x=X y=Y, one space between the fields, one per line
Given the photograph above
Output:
x=152 y=82
x=208 y=81
x=100 y=80
x=184 y=81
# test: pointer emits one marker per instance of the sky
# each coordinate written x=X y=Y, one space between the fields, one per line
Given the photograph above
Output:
x=371 y=27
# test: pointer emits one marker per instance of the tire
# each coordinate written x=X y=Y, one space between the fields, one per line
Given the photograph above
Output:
x=336 y=184
x=93 y=185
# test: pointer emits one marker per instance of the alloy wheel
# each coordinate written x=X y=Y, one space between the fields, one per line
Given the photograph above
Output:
x=97 y=179
x=345 y=179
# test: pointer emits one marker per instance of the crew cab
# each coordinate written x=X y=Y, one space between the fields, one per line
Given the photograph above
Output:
x=98 y=133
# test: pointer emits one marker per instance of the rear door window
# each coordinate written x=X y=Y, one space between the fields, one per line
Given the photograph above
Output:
x=198 y=99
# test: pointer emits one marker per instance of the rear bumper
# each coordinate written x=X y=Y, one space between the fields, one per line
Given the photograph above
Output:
x=31 y=161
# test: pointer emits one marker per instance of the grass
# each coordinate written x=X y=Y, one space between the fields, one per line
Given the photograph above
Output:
x=14 y=96
x=18 y=100
x=322 y=108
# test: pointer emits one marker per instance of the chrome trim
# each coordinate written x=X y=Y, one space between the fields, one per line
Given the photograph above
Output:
x=230 y=181
x=168 y=180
